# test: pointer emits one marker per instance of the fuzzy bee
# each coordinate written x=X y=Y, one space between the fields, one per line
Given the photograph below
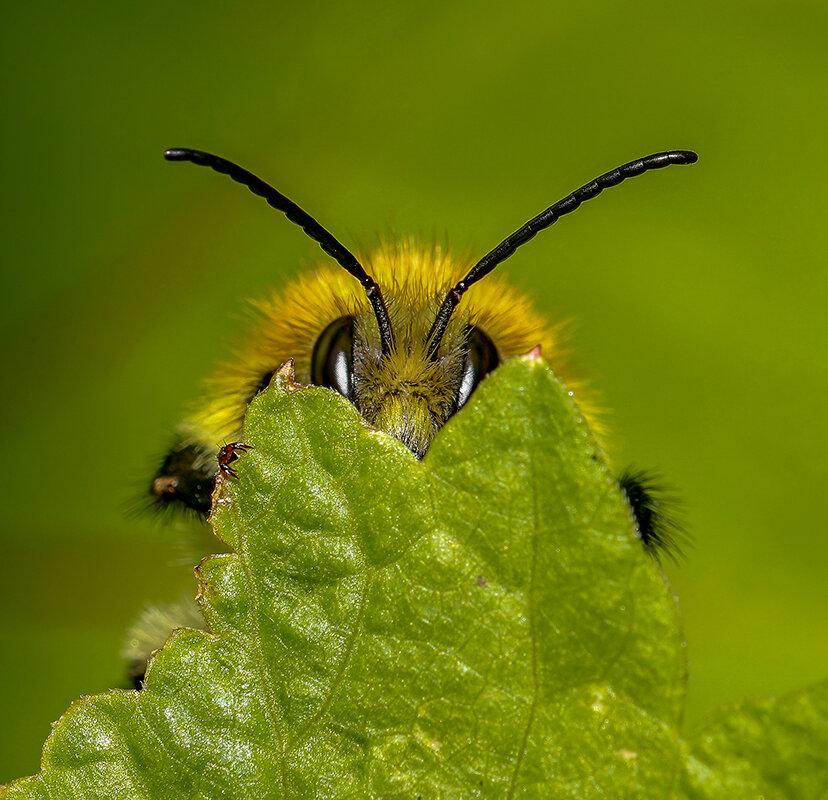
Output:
x=401 y=334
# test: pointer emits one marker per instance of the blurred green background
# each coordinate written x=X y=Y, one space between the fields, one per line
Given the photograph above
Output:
x=699 y=294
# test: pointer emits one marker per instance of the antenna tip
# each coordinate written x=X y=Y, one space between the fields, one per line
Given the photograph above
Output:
x=687 y=156
x=177 y=154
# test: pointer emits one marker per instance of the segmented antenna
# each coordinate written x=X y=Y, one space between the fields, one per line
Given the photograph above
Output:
x=305 y=221
x=544 y=220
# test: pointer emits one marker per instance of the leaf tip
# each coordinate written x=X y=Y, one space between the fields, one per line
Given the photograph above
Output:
x=285 y=377
x=534 y=354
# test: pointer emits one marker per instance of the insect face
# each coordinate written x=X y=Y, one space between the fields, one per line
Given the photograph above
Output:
x=328 y=327
x=406 y=392
x=397 y=341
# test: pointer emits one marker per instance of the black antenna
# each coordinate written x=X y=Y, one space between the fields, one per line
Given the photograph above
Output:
x=544 y=220
x=305 y=221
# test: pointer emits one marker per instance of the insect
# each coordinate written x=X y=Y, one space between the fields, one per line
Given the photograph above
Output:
x=403 y=342
x=230 y=453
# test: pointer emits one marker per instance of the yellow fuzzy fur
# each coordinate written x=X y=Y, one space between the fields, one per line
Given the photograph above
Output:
x=413 y=280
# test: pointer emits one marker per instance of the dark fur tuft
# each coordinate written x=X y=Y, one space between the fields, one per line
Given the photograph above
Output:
x=185 y=479
x=654 y=512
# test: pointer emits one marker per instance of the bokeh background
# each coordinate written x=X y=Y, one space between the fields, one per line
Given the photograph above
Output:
x=698 y=294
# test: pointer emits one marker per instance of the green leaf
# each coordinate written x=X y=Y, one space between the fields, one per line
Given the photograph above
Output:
x=769 y=748
x=482 y=623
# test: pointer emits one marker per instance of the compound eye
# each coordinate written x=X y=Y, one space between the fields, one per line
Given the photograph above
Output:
x=482 y=359
x=332 y=360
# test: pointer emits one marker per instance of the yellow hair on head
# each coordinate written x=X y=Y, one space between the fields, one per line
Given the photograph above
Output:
x=403 y=390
